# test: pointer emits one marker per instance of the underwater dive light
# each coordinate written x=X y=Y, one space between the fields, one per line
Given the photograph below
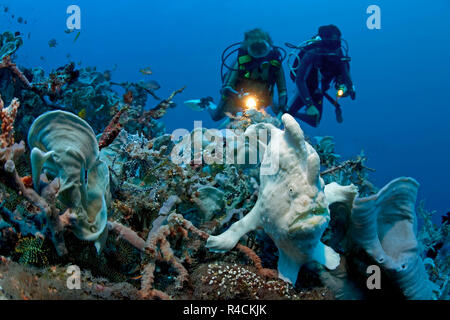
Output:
x=342 y=89
x=251 y=103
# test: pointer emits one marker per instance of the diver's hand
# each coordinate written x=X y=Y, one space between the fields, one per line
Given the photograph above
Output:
x=229 y=92
x=312 y=111
x=352 y=93
x=282 y=102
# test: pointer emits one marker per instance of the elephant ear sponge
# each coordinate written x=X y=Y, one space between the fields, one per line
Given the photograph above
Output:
x=64 y=146
x=384 y=226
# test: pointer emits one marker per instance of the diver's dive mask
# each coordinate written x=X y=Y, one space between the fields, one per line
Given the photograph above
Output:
x=259 y=49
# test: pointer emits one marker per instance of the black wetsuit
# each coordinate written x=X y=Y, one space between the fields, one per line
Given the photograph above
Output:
x=318 y=65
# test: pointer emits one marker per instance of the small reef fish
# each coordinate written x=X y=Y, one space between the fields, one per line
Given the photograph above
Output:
x=82 y=113
x=20 y=20
x=77 y=36
x=107 y=75
x=152 y=85
x=69 y=31
x=146 y=71
x=6 y=9
x=52 y=43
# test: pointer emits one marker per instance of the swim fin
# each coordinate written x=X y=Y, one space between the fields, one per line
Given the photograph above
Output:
x=200 y=104
x=339 y=117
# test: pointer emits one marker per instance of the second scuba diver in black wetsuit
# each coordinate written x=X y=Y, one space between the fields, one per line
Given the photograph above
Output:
x=320 y=62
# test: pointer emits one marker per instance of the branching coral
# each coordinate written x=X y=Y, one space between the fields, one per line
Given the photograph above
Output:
x=112 y=130
x=325 y=149
x=147 y=118
x=9 y=44
x=161 y=109
x=7 y=63
x=157 y=248
x=7 y=117
x=351 y=171
x=434 y=246
x=8 y=156
x=57 y=81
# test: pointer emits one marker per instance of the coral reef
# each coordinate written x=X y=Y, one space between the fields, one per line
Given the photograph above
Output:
x=112 y=130
x=352 y=171
x=18 y=282
x=434 y=248
x=157 y=248
x=7 y=117
x=102 y=191
x=9 y=44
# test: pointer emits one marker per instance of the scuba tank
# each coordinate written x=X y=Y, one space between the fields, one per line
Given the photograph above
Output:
x=298 y=51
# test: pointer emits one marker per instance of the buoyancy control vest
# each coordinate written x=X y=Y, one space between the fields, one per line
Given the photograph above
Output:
x=260 y=69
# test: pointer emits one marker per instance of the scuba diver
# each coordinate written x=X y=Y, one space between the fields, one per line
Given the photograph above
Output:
x=250 y=83
x=320 y=61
